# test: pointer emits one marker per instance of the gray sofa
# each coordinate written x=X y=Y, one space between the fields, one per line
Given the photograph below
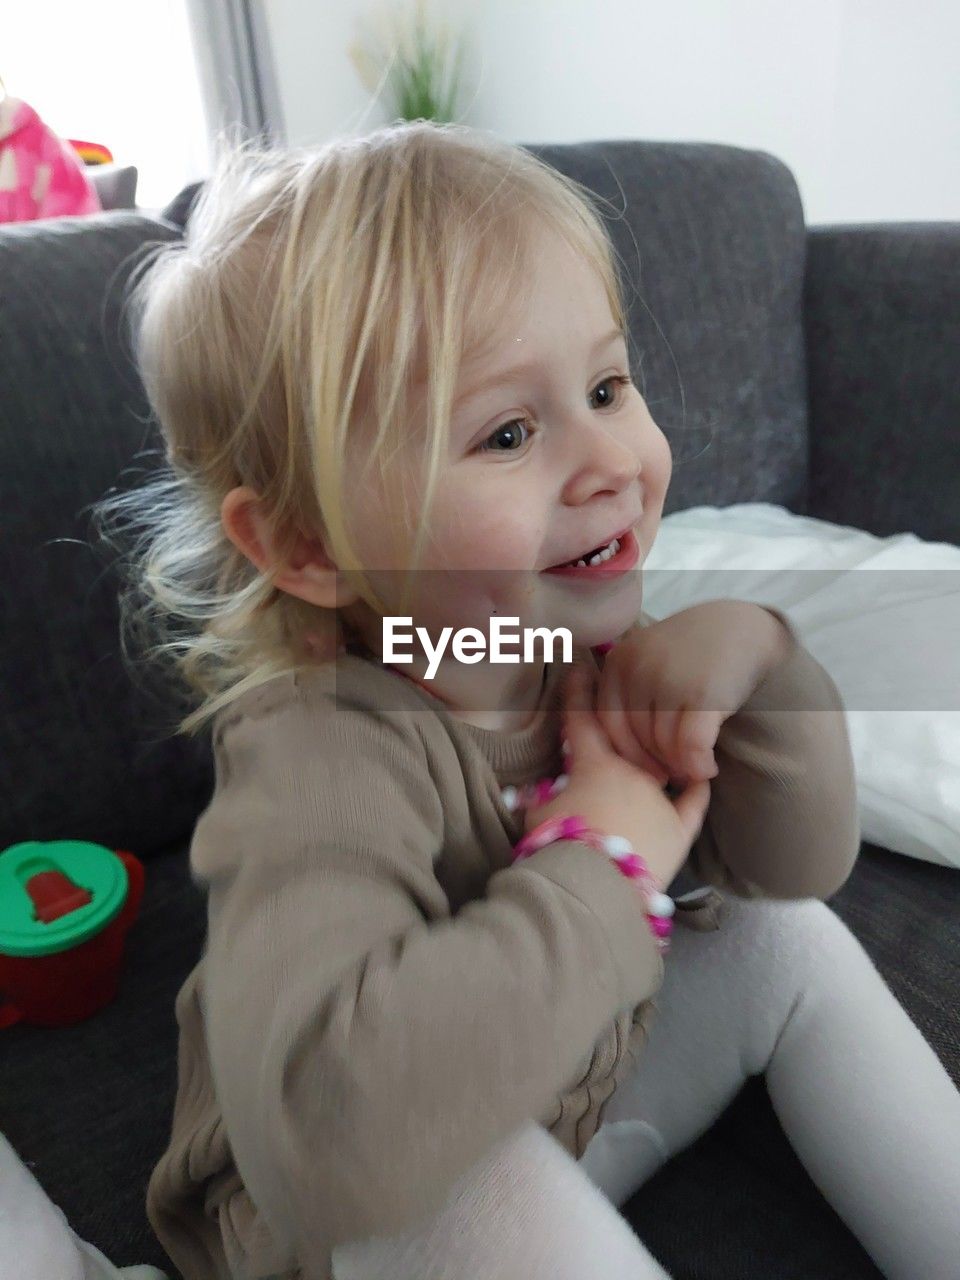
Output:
x=813 y=367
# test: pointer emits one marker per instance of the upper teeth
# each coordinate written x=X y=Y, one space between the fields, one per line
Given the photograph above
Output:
x=606 y=553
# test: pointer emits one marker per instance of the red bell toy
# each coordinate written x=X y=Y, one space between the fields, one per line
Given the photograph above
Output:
x=65 y=908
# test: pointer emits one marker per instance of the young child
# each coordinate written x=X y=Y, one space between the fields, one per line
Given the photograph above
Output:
x=436 y=1031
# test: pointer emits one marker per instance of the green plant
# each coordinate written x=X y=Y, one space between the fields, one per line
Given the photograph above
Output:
x=412 y=63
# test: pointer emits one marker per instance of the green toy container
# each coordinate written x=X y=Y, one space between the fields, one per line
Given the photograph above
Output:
x=65 y=907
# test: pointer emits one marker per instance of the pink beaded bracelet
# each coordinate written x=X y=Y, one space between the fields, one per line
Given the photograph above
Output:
x=659 y=906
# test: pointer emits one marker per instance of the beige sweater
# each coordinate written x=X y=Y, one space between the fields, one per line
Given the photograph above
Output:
x=382 y=996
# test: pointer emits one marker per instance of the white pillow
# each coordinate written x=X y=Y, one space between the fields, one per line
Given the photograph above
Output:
x=880 y=615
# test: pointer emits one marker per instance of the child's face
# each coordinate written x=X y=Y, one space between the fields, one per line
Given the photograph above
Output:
x=515 y=498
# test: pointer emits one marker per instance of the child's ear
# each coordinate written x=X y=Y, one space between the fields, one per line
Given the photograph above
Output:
x=309 y=574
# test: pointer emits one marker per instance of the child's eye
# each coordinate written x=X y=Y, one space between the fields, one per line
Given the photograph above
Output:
x=512 y=429
x=621 y=379
x=506 y=428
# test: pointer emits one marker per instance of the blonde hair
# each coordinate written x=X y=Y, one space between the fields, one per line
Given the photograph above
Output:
x=316 y=294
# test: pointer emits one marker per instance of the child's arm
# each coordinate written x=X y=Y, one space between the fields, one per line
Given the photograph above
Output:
x=367 y=1046
x=783 y=820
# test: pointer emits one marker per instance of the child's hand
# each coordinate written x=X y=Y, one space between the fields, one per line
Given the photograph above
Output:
x=666 y=688
x=616 y=796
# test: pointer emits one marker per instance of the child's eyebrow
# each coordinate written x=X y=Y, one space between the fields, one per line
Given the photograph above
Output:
x=505 y=375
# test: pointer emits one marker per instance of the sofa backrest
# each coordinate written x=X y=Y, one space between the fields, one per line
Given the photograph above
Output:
x=77 y=735
x=711 y=247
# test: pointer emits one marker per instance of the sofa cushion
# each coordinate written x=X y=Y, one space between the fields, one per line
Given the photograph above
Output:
x=882 y=320
x=81 y=741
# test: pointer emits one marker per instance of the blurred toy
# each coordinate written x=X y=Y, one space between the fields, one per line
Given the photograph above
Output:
x=41 y=175
x=91 y=152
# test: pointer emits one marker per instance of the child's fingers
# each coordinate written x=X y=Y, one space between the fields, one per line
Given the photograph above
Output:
x=616 y=723
x=577 y=698
x=587 y=731
x=683 y=739
x=648 y=731
x=581 y=730
x=696 y=739
x=663 y=731
x=654 y=767
x=691 y=806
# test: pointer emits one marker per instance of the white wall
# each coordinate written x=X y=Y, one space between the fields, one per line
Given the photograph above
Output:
x=861 y=98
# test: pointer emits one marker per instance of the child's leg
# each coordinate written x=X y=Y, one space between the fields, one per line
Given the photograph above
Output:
x=36 y=1241
x=785 y=989
x=527 y=1210
x=97 y=1266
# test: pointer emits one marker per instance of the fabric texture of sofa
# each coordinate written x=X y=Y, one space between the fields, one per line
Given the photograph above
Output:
x=813 y=367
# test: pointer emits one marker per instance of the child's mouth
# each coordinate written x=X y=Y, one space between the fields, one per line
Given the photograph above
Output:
x=604 y=563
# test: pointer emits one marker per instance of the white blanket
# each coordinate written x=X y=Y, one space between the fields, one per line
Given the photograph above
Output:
x=881 y=616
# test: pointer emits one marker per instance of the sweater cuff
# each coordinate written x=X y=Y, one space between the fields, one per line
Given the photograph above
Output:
x=596 y=881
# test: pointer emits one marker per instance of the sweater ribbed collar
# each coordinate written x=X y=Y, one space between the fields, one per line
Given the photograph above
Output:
x=520 y=753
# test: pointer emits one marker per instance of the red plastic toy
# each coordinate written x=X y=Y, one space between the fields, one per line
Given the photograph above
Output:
x=65 y=908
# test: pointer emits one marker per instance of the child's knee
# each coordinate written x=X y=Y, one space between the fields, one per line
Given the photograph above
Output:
x=765 y=920
x=797 y=937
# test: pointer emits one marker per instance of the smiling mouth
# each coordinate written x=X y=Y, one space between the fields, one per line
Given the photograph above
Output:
x=619 y=554
x=597 y=555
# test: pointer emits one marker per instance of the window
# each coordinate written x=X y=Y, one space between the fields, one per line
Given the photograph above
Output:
x=116 y=73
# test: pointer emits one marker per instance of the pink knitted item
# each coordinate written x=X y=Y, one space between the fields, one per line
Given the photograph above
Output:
x=41 y=176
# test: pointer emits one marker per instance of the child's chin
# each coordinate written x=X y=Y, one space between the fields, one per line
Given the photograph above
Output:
x=604 y=630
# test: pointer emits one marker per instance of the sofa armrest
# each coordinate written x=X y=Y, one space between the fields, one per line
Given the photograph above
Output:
x=882 y=322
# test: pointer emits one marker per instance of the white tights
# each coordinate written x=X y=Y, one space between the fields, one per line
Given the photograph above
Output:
x=37 y=1242
x=782 y=989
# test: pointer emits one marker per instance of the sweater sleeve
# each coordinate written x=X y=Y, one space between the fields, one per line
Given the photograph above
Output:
x=367 y=1046
x=783 y=820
